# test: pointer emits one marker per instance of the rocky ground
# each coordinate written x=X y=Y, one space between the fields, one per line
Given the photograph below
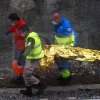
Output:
x=82 y=73
x=54 y=95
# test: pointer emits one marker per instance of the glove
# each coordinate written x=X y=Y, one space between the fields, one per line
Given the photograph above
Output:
x=52 y=37
x=21 y=61
x=7 y=32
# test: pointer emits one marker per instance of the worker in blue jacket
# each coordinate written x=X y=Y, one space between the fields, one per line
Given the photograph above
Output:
x=63 y=34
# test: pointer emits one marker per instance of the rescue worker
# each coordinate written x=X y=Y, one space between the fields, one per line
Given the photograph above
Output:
x=19 y=40
x=33 y=53
x=63 y=34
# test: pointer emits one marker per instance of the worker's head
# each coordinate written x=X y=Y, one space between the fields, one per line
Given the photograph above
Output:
x=55 y=18
x=24 y=30
x=13 y=18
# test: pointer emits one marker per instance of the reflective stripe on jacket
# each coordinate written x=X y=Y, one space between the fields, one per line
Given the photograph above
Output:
x=36 y=52
x=65 y=73
x=68 y=40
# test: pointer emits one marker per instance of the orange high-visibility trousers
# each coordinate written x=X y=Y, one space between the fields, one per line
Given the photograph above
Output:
x=16 y=69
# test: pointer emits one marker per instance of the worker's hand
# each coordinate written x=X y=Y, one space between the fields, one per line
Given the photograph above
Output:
x=21 y=60
x=43 y=48
x=57 y=55
x=7 y=32
x=52 y=37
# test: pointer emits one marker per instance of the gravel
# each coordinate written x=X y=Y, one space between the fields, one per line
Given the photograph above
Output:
x=54 y=95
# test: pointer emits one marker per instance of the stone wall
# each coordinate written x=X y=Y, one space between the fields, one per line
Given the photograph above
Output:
x=82 y=14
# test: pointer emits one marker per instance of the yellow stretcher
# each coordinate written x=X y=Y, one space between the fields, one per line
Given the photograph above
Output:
x=75 y=53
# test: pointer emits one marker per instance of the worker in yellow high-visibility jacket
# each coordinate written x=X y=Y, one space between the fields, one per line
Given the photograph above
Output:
x=32 y=54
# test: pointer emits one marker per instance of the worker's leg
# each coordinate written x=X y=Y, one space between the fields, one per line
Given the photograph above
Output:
x=63 y=66
x=17 y=69
x=28 y=73
x=30 y=79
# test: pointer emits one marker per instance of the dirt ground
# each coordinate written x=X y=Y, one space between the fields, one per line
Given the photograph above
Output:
x=50 y=77
x=81 y=74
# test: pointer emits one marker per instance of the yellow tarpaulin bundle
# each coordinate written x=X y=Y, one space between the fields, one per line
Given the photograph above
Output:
x=75 y=53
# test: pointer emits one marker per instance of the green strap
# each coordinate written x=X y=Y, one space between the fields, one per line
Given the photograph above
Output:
x=65 y=73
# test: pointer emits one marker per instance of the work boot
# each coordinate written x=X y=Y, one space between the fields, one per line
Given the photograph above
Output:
x=18 y=80
x=27 y=92
x=59 y=78
x=66 y=81
x=42 y=87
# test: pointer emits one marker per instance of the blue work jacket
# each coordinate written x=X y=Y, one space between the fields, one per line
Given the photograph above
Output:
x=64 y=28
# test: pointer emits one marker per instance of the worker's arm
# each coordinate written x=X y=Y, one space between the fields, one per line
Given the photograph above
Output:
x=67 y=28
x=11 y=29
x=30 y=45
